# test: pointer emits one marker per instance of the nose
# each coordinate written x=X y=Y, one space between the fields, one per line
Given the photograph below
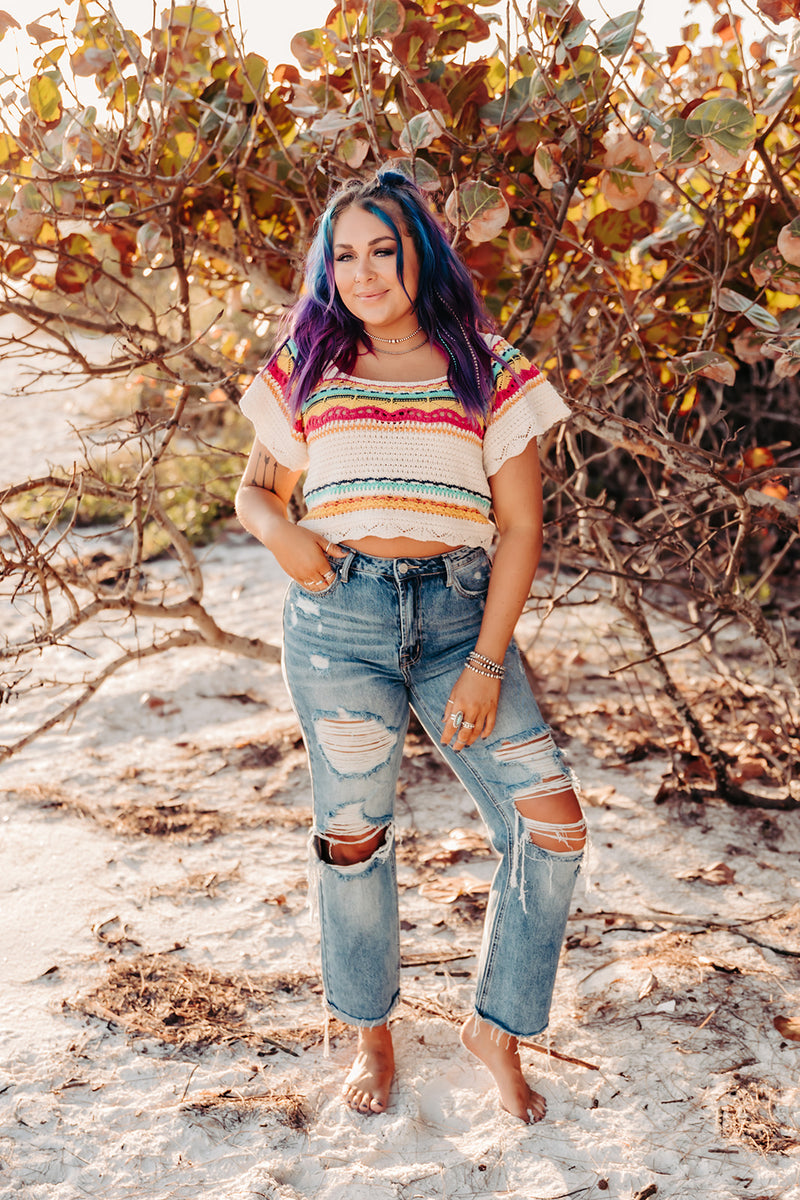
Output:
x=363 y=269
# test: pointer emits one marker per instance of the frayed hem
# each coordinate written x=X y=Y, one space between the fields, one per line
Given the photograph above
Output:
x=499 y=1029
x=358 y=1022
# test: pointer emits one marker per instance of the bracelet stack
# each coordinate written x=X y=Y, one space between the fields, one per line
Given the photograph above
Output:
x=482 y=665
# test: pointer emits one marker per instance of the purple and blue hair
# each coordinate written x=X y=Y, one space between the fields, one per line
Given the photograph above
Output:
x=448 y=307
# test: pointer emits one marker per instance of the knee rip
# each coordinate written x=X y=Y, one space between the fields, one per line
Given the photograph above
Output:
x=351 y=843
x=561 y=834
x=548 y=810
x=354 y=744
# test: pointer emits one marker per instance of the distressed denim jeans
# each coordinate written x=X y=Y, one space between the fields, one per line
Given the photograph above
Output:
x=386 y=636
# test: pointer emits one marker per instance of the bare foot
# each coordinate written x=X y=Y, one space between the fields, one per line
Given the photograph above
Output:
x=366 y=1088
x=499 y=1053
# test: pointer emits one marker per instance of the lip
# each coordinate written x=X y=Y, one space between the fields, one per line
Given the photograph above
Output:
x=370 y=295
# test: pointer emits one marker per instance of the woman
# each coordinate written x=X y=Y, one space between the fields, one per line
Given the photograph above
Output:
x=414 y=423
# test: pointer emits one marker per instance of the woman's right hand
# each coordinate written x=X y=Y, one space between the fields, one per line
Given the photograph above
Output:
x=305 y=556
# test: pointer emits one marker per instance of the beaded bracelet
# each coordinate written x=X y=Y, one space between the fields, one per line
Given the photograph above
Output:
x=487 y=674
x=482 y=665
x=489 y=663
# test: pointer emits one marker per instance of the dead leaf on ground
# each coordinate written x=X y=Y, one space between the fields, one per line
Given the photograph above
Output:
x=749 y=768
x=447 y=890
x=649 y=985
x=457 y=845
x=788 y=1027
x=718 y=875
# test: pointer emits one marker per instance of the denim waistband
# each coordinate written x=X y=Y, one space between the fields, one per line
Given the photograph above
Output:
x=403 y=569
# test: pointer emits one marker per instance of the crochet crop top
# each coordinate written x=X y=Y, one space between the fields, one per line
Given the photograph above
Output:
x=400 y=459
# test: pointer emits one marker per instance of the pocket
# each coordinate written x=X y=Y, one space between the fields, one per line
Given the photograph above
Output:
x=335 y=566
x=471 y=578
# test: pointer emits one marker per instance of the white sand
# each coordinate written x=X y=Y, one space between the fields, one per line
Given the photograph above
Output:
x=677 y=1017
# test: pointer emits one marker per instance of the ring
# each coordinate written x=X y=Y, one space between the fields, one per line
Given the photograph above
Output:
x=328 y=546
x=467 y=725
x=457 y=718
x=328 y=575
x=308 y=582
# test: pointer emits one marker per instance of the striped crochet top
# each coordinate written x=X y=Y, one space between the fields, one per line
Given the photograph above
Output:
x=400 y=459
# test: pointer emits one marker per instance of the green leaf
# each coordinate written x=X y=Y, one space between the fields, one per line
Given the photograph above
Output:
x=419 y=172
x=728 y=122
x=518 y=100
x=673 y=137
x=45 y=99
x=577 y=36
x=708 y=363
x=615 y=35
x=421 y=130
x=386 y=18
x=730 y=301
x=781 y=93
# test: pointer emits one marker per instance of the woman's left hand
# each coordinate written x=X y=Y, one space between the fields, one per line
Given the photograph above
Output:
x=475 y=697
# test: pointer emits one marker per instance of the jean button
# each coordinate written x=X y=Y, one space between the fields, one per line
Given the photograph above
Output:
x=402 y=568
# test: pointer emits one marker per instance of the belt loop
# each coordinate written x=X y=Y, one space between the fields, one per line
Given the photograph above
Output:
x=344 y=570
x=448 y=569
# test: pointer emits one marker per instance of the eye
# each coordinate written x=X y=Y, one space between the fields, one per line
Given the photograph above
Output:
x=385 y=252
x=343 y=257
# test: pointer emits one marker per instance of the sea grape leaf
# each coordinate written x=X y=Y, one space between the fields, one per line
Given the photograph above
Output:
x=615 y=35
x=421 y=130
x=419 y=172
x=252 y=77
x=726 y=121
x=730 y=301
x=18 y=262
x=387 y=17
x=45 y=99
x=708 y=363
x=672 y=137
x=200 y=20
x=789 y=242
x=482 y=208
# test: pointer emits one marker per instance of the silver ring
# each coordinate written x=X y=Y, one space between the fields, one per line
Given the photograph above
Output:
x=328 y=546
x=307 y=582
x=467 y=725
x=457 y=718
x=328 y=575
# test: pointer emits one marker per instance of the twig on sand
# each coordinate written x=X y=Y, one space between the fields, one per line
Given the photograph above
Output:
x=438 y=1010
x=427 y=960
x=703 y=923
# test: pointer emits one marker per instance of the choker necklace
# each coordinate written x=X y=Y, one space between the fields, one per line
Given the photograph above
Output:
x=373 y=337
x=396 y=353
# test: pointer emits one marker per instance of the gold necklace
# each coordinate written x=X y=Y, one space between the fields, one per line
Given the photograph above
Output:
x=394 y=353
x=373 y=337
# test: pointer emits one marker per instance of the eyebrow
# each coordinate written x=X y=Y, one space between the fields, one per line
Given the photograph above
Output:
x=385 y=237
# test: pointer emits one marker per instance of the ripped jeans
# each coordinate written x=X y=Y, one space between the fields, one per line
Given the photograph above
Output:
x=389 y=634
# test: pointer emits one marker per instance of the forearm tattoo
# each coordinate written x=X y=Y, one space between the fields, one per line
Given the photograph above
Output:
x=265 y=471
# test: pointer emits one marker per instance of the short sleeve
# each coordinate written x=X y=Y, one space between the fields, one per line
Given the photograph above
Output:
x=524 y=405
x=267 y=408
